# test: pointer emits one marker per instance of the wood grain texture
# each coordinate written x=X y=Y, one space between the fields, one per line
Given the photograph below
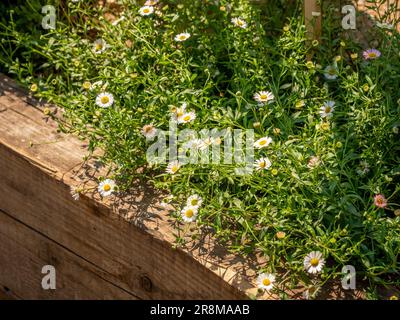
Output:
x=7 y=294
x=26 y=251
x=123 y=245
x=312 y=20
x=128 y=244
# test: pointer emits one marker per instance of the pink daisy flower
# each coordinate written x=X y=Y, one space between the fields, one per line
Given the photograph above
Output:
x=371 y=54
x=380 y=201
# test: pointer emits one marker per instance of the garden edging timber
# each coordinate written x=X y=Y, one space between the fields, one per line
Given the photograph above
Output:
x=120 y=249
x=97 y=253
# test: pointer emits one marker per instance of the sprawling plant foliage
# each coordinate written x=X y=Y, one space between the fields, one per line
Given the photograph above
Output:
x=333 y=184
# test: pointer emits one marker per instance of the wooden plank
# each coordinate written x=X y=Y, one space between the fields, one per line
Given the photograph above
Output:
x=313 y=18
x=24 y=250
x=130 y=242
x=7 y=294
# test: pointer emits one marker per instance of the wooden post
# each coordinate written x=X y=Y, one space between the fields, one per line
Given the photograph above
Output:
x=312 y=18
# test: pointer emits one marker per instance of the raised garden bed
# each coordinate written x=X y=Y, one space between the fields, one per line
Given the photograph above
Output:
x=99 y=251
x=315 y=201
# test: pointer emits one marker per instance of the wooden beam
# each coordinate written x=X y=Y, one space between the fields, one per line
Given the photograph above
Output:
x=6 y=293
x=24 y=252
x=121 y=248
x=126 y=248
x=313 y=18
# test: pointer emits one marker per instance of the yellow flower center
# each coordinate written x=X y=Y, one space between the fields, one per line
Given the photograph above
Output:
x=240 y=23
x=146 y=10
x=280 y=234
x=263 y=142
x=105 y=99
x=299 y=104
x=99 y=46
x=332 y=72
x=194 y=202
x=372 y=55
x=182 y=37
x=107 y=187
x=325 y=126
x=263 y=164
x=174 y=169
x=328 y=109
x=187 y=118
x=189 y=213
x=314 y=262
x=263 y=96
x=86 y=85
x=266 y=282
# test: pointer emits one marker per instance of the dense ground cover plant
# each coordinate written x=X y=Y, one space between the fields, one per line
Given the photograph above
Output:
x=325 y=192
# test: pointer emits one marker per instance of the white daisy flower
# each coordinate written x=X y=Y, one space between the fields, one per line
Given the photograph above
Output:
x=209 y=141
x=313 y=162
x=314 y=262
x=205 y=143
x=327 y=109
x=105 y=100
x=149 y=131
x=151 y=2
x=189 y=213
x=173 y=167
x=263 y=142
x=99 y=46
x=217 y=140
x=195 y=144
x=179 y=112
x=238 y=22
x=75 y=193
x=194 y=201
x=187 y=117
x=266 y=281
x=182 y=36
x=371 y=54
x=262 y=164
x=331 y=73
x=106 y=187
x=263 y=97
x=146 y=10
x=96 y=85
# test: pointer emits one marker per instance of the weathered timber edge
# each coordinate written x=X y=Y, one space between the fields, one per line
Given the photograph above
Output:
x=98 y=252
x=121 y=248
